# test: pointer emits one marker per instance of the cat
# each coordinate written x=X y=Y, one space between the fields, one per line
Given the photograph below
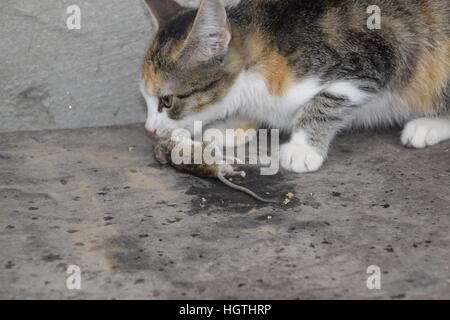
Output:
x=309 y=68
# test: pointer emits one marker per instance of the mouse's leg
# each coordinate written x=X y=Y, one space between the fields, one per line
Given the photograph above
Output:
x=228 y=171
x=239 y=173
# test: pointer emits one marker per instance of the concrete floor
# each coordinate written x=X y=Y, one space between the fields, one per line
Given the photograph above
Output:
x=97 y=199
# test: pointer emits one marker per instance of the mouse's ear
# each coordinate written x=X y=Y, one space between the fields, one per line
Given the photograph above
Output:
x=162 y=10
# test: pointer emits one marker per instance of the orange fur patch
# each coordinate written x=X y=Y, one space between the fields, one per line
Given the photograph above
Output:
x=430 y=79
x=149 y=74
x=277 y=73
x=248 y=125
x=273 y=66
x=429 y=16
x=150 y=77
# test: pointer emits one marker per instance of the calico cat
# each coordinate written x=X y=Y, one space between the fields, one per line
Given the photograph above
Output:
x=308 y=67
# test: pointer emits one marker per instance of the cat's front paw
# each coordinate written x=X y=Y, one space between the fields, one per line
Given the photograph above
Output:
x=424 y=132
x=300 y=158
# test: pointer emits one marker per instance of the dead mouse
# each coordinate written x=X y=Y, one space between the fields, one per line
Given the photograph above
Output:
x=163 y=153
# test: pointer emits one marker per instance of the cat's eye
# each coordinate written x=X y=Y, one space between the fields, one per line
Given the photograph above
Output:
x=166 y=102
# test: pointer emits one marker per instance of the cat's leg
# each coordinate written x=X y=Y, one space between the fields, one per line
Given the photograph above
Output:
x=318 y=123
x=243 y=131
x=424 y=132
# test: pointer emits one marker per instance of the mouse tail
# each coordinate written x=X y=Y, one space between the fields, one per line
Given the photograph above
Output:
x=243 y=189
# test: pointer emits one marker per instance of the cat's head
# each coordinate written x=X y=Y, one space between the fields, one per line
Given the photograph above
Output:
x=188 y=68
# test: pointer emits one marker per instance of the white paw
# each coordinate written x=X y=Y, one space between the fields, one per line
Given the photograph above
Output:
x=424 y=132
x=300 y=158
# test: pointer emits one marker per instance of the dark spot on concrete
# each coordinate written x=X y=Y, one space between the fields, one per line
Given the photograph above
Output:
x=169 y=221
x=108 y=218
x=38 y=139
x=16 y=198
x=123 y=254
x=10 y=227
x=309 y=225
x=63 y=182
x=51 y=257
x=33 y=106
x=385 y=206
x=72 y=231
x=9 y=265
x=139 y=281
x=5 y=156
x=61 y=265
x=310 y=201
x=336 y=194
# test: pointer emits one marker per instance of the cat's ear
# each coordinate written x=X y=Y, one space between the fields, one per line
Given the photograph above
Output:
x=162 y=10
x=210 y=34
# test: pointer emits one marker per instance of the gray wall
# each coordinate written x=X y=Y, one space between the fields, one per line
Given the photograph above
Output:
x=52 y=77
